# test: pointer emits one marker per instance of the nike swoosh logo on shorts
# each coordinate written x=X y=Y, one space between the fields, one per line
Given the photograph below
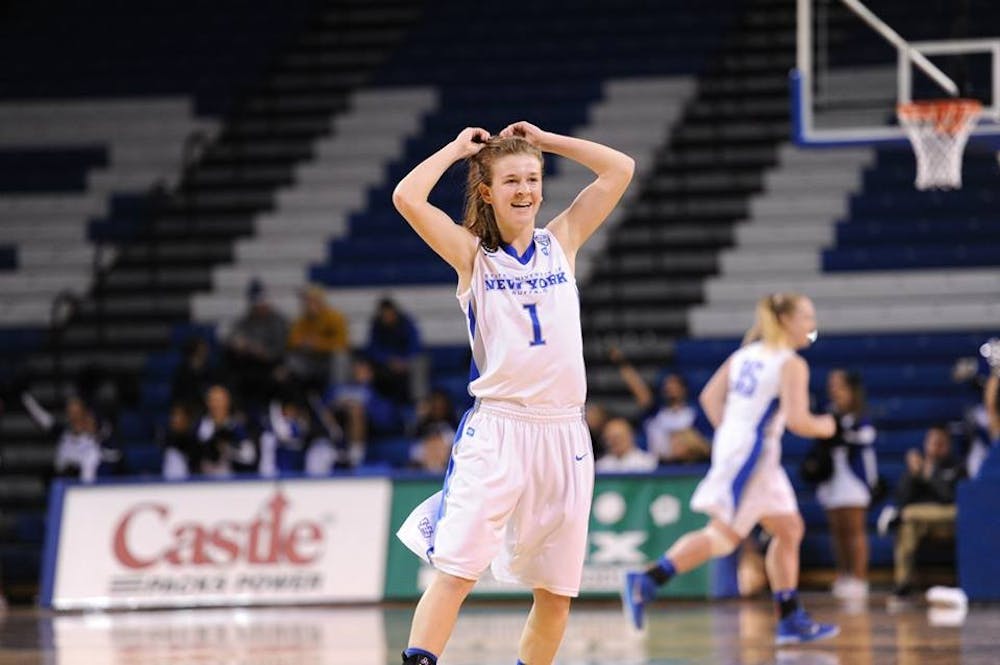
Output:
x=580 y=457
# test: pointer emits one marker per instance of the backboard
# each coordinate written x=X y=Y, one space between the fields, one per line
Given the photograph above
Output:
x=855 y=63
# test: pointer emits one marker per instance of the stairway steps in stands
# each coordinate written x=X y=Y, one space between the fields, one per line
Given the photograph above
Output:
x=30 y=457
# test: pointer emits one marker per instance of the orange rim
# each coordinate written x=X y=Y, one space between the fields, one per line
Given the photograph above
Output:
x=949 y=116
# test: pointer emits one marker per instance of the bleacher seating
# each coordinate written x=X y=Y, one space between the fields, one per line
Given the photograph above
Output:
x=320 y=108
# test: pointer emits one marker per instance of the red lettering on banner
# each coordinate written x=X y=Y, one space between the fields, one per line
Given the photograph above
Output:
x=264 y=540
x=122 y=552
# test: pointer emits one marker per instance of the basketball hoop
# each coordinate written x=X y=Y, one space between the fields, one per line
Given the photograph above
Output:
x=938 y=131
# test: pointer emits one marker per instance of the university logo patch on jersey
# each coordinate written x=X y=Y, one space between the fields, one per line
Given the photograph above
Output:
x=543 y=243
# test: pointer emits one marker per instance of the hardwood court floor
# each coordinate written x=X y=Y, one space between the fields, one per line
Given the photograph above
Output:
x=734 y=632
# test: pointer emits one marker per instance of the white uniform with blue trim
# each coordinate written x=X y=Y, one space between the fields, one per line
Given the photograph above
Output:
x=518 y=489
x=854 y=467
x=746 y=481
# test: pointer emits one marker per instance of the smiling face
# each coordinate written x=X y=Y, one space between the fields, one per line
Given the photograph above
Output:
x=515 y=192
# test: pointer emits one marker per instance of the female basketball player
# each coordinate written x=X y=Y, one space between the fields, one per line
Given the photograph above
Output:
x=761 y=387
x=846 y=495
x=518 y=488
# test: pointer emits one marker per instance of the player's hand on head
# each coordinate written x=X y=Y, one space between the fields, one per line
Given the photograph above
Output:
x=525 y=130
x=471 y=140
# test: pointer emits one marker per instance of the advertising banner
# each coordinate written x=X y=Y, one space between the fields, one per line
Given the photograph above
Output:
x=216 y=543
x=634 y=519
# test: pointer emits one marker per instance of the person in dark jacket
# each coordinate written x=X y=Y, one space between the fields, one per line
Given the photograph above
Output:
x=925 y=499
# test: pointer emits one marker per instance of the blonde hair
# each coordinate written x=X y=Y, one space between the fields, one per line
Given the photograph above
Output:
x=767 y=324
x=479 y=216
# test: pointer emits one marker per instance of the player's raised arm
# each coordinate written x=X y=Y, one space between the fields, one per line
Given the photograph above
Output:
x=452 y=242
x=592 y=206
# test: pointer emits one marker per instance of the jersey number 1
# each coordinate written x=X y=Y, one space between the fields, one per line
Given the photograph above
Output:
x=535 y=325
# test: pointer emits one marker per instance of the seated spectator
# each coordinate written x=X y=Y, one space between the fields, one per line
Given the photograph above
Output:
x=847 y=493
x=284 y=441
x=393 y=346
x=925 y=503
x=622 y=454
x=982 y=422
x=597 y=417
x=82 y=443
x=194 y=375
x=432 y=451
x=434 y=411
x=319 y=332
x=358 y=408
x=434 y=432
x=226 y=447
x=180 y=445
x=255 y=349
x=669 y=424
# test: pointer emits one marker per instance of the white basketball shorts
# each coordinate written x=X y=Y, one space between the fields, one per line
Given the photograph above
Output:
x=767 y=491
x=517 y=498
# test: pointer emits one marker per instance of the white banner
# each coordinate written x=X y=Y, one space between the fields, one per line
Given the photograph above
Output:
x=221 y=543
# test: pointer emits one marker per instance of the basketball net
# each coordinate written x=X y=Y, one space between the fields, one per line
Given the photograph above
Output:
x=938 y=131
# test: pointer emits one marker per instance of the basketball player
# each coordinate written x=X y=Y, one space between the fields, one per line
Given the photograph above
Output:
x=749 y=400
x=518 y=488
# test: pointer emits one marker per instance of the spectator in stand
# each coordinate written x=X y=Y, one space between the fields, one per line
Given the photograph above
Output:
x=623 y=455
x=358 y=409
x=925 y=503
x=597 y=417
x=319 y=332
x=393 y=346
x=194 y=375
x=432 y=451
x=181 y=448
x=82 y=442
x=981 y=434
x=226 y=447
x=284 y=441
x=991 y=401
x=255 y=349
x=434 y=432
x=847 y=494
x=668 y=423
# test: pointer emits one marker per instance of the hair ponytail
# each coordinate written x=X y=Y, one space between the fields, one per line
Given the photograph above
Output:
x=767 y=322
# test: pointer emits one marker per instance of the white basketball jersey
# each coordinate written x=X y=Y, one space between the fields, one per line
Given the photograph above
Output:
x=753 y=396
x=524 y=326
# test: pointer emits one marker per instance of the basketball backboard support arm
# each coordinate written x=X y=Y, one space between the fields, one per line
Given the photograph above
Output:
x=908 y=55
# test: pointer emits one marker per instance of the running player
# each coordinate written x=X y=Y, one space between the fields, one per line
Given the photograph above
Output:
x=518 y=488
x=749 y=400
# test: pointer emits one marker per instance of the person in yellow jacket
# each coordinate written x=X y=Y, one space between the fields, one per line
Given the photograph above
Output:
x=319 y=332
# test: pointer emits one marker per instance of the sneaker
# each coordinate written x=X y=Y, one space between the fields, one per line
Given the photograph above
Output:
x=850 y=588
x=637 y=590
x=943 y=595
x=838 y=585
x=799 y=627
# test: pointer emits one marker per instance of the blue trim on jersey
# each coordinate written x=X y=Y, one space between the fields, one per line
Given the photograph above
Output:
x=447 y=476
x=856 y=463
x=473 y=368
x=739 y=483
x=522 y=259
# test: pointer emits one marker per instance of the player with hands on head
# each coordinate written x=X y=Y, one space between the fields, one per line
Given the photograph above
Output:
x=518 y=488
x=758 y=390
